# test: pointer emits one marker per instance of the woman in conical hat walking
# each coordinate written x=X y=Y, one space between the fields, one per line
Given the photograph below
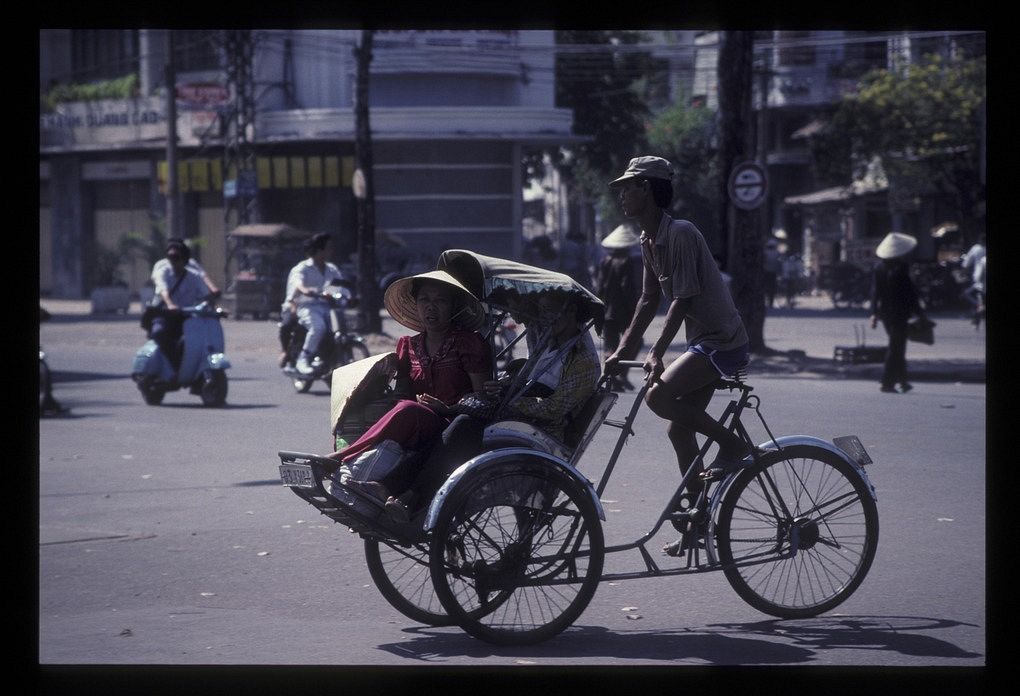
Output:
x=894 y=300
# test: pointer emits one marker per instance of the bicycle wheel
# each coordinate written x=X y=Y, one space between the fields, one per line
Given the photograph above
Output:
x=402 y=575
x=517 y=553
x=797 y=532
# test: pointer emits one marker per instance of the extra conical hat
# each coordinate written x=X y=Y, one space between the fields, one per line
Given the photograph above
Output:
x=894 y=245
x=401 y=305
x=622 y=237
x=347 y=380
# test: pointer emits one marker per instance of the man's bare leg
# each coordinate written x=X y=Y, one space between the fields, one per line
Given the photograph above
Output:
x=687 y=374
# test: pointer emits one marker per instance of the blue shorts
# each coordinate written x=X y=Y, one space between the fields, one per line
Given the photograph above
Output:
x=726 y=362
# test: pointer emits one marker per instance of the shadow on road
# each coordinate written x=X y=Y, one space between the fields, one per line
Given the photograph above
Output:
x=773 y=642
x=76 y=318
x=252 y=484
x=64 y=376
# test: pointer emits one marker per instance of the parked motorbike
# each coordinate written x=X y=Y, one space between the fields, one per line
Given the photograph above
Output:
x=339 y=347
x=941 y=285
x=202 y=366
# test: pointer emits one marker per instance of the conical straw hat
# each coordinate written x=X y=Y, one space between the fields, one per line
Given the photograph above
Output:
x=894 y=245
x=347 y=380
x=401 y=305
x=622 y=237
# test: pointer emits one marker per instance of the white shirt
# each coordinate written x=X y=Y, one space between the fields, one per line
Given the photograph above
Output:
x=549 y=365
x=307 y=274
x=971 y=258
x=190 y=291
x=163 y=270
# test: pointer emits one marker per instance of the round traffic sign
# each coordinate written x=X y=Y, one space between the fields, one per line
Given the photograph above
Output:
x=748 y=185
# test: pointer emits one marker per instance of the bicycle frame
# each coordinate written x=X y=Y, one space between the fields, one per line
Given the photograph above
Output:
x=732 y=413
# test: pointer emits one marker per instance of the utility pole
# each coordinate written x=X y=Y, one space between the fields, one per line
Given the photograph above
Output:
x=240 y=185
x=742 y=229
x=364 y=191
x=172 y=186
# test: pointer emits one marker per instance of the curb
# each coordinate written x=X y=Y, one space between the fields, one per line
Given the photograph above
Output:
x=919 y=370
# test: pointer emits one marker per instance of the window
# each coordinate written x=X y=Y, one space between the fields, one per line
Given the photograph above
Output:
x=197 y=50
x=103 y=54
x=877 y=222
x=791 y=50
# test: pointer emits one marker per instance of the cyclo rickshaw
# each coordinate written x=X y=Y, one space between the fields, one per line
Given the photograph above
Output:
x=511 y=547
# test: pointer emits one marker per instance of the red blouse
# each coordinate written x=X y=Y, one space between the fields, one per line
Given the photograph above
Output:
x=445 y=374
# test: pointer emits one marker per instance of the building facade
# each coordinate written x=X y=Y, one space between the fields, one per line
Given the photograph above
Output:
x=450 y=112
x=799 y=78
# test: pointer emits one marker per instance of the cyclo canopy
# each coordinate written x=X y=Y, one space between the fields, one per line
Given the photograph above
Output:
x=505 y=284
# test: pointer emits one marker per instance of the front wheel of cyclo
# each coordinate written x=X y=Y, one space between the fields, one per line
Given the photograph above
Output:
x=402 y=575
x=517 y=553
x=797 y=532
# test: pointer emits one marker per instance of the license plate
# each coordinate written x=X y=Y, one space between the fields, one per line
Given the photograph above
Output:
x=853 y=447
x=297 y=475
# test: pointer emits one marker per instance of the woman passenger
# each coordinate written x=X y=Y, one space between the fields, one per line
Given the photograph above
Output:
x=435 y=367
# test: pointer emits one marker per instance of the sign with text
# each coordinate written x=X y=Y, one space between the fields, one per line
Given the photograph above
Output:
x=748 y=185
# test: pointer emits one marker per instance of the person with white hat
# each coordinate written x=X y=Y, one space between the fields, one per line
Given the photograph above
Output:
x=679 y=265
x=447 y=359
x=618 y=285
x=894 y=300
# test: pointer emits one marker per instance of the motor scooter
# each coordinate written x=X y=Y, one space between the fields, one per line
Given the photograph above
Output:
x=338 y=347
x=203 y=363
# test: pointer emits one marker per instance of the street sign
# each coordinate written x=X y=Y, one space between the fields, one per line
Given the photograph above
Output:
x=748 y=185
x=246 y=186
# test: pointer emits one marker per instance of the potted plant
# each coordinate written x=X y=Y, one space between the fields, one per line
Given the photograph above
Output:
x=111 y=293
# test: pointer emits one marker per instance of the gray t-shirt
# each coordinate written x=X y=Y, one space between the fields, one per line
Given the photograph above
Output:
x=679 y=258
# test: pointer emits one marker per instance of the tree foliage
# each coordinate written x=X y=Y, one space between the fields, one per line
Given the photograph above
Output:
x=604 y=88
x=685 y=134
x=924 y=123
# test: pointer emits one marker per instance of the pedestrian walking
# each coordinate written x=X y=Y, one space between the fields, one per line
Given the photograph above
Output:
x=772 y=267
x=618 y=285
x=894 y=300
x=974 y=262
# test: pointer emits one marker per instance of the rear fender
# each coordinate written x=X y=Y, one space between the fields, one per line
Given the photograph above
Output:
x=791 y=440
x=495 y=459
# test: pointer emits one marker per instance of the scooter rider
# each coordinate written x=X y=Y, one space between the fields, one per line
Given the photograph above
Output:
x=305 y=285
x=178 y=286
x=163 y=266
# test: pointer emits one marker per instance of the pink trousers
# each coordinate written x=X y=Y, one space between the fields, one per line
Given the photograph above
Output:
x=409 y=424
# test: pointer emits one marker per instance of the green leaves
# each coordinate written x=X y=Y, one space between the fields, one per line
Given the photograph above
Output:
x=922 y=122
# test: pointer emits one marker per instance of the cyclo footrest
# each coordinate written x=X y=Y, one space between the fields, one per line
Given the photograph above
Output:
x=310 y=477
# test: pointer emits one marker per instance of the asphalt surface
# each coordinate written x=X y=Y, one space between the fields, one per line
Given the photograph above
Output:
x=149 y=544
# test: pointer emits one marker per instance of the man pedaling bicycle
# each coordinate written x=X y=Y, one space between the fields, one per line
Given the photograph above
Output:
x=679 y=265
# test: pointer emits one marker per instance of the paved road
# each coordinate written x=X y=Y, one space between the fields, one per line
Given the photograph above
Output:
x=166 y=539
